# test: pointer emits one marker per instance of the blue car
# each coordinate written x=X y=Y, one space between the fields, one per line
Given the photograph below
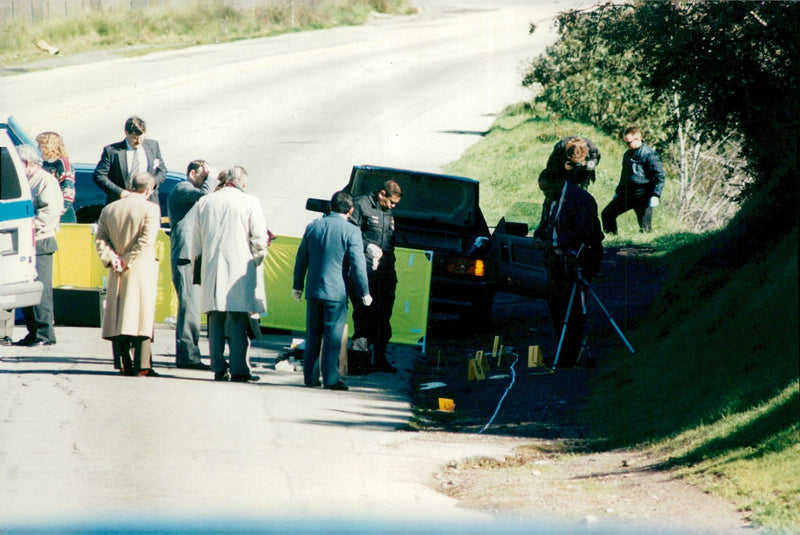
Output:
x=90 y=199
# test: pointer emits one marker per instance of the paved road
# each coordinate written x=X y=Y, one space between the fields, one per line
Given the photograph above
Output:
x=78 y=441
x=299 y=110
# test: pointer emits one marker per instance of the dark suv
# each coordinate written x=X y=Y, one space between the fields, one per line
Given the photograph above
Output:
x=440 y=214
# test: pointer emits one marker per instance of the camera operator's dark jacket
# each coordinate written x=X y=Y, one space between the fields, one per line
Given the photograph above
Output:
x=642 y=174
x=580 y=175
x=575 y=223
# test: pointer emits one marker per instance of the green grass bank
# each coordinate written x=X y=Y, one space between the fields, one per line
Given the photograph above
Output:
x=712 y=392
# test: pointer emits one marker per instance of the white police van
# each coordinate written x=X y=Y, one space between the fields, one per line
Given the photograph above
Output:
x=18 y=287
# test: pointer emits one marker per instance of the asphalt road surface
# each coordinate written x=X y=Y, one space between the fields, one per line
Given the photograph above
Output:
x=299 y=110
x=80 y=443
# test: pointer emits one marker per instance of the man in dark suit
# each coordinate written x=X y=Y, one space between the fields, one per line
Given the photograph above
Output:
x=570 y=234
x=187 y=325
x=122 y=161
x=331 y=250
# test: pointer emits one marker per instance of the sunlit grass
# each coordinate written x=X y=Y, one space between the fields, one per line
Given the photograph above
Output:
x=154 y=28
x=751 y=458
x=509 y=158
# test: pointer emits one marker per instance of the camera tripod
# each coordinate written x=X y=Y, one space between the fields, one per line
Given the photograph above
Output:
x=581 y=285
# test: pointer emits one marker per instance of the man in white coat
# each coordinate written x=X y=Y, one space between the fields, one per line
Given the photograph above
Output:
x=126 y=243
x=230 y=242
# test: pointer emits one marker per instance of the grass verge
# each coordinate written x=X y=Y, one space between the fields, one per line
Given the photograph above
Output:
x=145 y=29
x=509 y=158
x=713 y=390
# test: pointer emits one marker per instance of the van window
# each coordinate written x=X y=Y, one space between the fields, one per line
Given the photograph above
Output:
x=9 y=183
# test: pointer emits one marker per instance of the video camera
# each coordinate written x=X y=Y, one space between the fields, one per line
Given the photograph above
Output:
x=567 y=263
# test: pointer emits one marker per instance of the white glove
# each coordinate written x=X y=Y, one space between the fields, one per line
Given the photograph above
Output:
x=297 y=294
x=374 y=252
x=653 y=202
x=367 y=300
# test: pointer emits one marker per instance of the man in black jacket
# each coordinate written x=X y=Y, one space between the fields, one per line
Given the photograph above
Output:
x=570 y=234
x=575 y=159
x=372 y=325
x=640 y=184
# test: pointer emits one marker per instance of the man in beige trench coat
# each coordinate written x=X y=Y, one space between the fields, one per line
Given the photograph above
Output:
x=125 y=240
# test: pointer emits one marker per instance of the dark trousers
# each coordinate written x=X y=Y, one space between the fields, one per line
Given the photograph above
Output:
x=230 y=327
x=39 y=318
x=621 y=204
x=325 y=323
x=187 y=324
x=374 y=322
x=122 y=346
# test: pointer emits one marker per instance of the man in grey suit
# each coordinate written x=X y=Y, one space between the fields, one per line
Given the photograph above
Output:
x=187 y=324
x=331 y=252
x=125 y=159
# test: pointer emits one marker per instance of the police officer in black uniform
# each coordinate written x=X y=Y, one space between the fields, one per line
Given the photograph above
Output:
x=373 y=215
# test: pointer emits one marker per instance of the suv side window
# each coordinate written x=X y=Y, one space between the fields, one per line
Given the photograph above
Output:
x=9 y=184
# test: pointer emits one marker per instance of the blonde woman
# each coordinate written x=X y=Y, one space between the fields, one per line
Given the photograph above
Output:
x=56 y=162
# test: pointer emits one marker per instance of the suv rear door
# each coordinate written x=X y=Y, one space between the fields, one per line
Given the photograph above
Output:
x=18 y=287
x=520 y=263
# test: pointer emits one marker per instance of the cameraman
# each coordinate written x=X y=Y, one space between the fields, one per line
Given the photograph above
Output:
x=569 y=233
x=575 y=159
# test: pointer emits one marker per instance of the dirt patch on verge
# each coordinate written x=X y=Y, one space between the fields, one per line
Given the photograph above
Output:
x=619 y=489
x=556 y=475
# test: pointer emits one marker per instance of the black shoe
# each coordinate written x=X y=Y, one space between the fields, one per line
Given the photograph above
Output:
x=337 y=386
x=35 y=343
x=244 y=378
x=25 y=342
x=148 y=373
x=194 y=366
x=314 y=384
x=5 y=341
x=222 y=376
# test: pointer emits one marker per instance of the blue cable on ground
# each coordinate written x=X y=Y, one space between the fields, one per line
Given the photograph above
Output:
x=513 y=377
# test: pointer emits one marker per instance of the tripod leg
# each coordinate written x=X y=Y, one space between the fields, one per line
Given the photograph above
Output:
x=610 y=319
x=566 y=320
